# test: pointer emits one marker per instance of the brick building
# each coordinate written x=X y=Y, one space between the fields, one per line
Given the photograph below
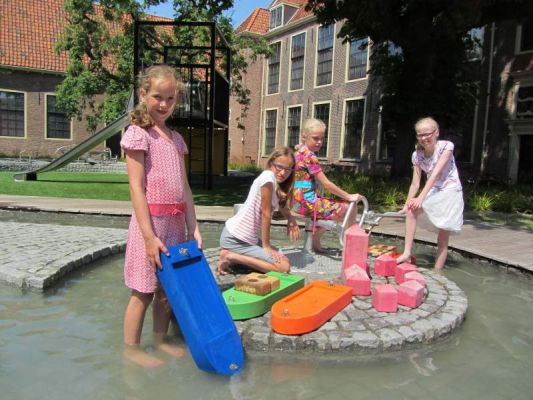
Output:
x=30 y=70
x=312 y=73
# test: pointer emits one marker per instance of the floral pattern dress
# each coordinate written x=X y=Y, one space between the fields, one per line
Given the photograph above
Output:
x=305 y=194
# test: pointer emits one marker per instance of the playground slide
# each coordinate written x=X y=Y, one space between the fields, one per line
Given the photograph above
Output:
x=78 y=150
x=82 y=148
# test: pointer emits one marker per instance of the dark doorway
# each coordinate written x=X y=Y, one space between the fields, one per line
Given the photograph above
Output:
x=525 y=163
x=114 y=144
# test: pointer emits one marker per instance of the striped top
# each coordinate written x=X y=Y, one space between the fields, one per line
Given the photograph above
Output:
x=246 y=224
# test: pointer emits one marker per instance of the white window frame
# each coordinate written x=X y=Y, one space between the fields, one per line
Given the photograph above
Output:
x=263 y=145
x=290 y=63
x=300 y=106
x=268 y=69
x=328 y=126
x=46 y=95
x=347 y=71
x=25 y=136
x=282 y=13
x=343 y=128
x=332 y=57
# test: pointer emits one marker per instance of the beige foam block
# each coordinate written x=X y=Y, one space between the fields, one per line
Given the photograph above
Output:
x=256 y=283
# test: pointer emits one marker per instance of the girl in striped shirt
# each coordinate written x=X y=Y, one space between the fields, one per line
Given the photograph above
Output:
x=240 y=240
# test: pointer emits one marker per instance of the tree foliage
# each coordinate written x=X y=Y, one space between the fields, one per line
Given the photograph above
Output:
x=99 y=40
x=420 y=55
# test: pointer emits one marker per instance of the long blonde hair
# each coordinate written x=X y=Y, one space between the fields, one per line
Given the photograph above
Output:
x=284 y=189
x=139 y=116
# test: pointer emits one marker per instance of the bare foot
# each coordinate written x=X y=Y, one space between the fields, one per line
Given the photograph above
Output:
x=141 y=358
x=171 y=349
x=403 y=258
x=223 y=263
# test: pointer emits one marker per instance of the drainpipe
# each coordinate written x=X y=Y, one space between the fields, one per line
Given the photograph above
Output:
x=484 y=151
x=261 y=115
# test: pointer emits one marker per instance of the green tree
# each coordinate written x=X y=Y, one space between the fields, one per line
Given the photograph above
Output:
x=99 y=40
x=420 y=55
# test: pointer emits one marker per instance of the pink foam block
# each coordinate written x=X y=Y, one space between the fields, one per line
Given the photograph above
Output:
x=385 y=265
x=411 y=294
x=401 y=270
x=415 y=276
x=385 y=298
x=355 y=247
x=357 y=278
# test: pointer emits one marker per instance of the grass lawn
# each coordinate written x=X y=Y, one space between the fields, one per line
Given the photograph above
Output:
x=106 y=186
x=227 y=192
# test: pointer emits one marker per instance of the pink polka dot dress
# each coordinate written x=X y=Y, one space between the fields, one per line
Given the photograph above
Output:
x=163 y=184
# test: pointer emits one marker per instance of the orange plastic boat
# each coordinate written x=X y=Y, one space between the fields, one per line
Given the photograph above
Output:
x=310 y=307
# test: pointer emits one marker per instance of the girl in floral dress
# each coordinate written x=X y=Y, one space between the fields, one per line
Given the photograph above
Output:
x=309 y=175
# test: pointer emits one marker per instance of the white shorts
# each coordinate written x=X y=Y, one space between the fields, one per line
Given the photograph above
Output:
x=443 y=210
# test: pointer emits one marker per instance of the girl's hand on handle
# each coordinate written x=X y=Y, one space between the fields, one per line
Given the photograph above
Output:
x=153 y=246
x=354 y=198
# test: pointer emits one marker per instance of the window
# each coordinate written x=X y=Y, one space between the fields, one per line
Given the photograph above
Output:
x=297 y=61
x=322 y=113
x=293 y=126
x=57 y=121
x=273 y=68
x=524 y=102
x=275 y=17
x=324 y=55
x=353 y=128
x=357 y=59
x=526 y=36
x=270 y=130
x=11 y=114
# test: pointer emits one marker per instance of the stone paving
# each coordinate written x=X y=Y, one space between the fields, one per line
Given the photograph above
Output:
x=37 y=255
x=358 y=328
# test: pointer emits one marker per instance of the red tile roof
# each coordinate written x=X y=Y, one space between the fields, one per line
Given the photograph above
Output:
x=257 y=22
x=29 y=30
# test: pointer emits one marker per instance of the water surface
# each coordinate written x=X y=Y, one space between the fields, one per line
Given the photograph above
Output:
x=66 y=343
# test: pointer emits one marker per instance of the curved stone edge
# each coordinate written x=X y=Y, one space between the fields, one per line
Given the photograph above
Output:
x=41 y=254
x=359 y=328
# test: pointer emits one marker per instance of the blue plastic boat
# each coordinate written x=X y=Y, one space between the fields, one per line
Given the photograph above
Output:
x=204 y=319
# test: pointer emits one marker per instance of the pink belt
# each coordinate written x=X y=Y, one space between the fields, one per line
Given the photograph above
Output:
x=166 y=209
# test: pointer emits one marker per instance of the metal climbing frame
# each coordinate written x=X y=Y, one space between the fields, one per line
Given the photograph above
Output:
x=200 y=52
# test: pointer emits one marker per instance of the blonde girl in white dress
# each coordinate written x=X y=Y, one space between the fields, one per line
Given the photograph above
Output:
x=441 y=198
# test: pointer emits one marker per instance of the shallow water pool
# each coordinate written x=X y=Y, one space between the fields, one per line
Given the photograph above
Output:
x=66 y=343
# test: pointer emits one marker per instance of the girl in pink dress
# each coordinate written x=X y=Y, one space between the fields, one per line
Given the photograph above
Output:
x=441 y=199
x=163 y=208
